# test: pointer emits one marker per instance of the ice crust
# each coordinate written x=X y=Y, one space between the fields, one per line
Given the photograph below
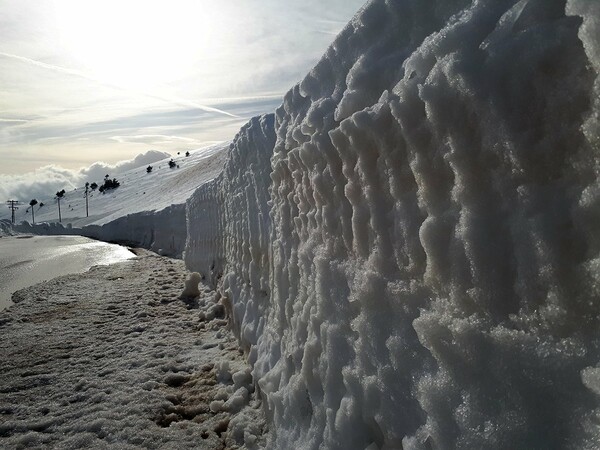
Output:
x=411 y=249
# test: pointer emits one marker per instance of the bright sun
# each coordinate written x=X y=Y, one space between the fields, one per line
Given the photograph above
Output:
x=137 y=44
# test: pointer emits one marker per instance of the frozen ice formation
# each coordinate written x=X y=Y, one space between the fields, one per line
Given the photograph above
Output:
x=411 y=248
x=229 y=229
x=164 y=230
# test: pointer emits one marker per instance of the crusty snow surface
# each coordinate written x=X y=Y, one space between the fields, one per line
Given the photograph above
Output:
x=114 y=358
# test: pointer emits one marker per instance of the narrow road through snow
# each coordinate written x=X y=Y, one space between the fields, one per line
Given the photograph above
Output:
x=27 y=260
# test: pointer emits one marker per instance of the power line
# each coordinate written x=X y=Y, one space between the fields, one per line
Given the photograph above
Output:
x=12 y=205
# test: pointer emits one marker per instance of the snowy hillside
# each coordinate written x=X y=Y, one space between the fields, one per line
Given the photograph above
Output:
x=146 y=210
x=139 y=191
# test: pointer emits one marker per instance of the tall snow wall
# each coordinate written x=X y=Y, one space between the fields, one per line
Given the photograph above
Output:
x=431 y=275
x=229 y=229
x=160 y=231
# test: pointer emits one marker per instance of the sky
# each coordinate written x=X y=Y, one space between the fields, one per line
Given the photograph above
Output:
x=88 y=81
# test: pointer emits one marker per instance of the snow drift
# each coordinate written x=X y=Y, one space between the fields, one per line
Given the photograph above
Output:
x=163 y=231
x=417 y=264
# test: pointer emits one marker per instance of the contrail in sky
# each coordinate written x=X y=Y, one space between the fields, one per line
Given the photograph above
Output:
x=76 y=73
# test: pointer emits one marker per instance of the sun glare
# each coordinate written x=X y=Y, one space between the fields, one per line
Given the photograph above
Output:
x=138 y=44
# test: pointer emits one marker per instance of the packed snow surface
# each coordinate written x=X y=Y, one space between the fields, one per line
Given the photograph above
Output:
x=27 y=260
x=113 y=359
x=411 y=249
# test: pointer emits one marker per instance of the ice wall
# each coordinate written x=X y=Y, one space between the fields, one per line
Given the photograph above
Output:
x=45 y=228
x=431 y=277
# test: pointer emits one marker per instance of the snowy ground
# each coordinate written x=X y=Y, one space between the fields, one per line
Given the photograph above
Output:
x=113 y=358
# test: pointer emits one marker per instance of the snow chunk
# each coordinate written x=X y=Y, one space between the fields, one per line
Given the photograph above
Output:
x=191 y=286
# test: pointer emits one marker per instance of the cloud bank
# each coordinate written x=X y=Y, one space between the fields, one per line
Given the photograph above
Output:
x=51 y=178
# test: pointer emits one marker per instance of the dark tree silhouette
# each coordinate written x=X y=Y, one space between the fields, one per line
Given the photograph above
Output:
x=172 y=164
x=32 y=203
x=59 y=195
x=187 y=154
x=94 y=186
x=109 y=184
x=149 y=169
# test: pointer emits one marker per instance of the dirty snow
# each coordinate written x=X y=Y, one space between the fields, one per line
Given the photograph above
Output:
x=114 y=359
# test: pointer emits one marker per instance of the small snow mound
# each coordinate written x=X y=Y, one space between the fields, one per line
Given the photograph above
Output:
x=191 y=286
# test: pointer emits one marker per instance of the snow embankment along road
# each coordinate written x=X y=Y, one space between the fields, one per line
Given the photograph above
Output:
x=417 y=264
x=114 y=357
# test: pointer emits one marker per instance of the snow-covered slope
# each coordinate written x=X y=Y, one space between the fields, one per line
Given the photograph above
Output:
x=147 y=209
x=431 y=270
x=139 y=191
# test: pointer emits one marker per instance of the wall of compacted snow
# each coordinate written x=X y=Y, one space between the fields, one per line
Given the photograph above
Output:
x=417 y=266
x=229 y=229
x=45 y=228
x=161 y=231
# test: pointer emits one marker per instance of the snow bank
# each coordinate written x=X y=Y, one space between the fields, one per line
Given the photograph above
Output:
x=432 y=269
x=229 y=228
x=6 y=228
x=163 y=232
x=45 y=228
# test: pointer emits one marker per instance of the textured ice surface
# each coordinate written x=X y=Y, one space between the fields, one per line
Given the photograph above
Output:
x=228 y=229
x=428 y=274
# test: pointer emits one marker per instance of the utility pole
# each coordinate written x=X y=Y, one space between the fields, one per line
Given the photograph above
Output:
x=87 y=190
x=12 y=205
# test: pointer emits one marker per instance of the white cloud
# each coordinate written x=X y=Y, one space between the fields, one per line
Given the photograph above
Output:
x=156 y=139
x=52 y=178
